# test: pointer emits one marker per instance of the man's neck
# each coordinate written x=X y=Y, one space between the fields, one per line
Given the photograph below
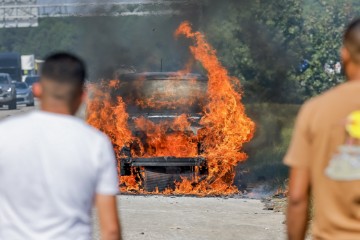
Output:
x=56 y=108
x=352 y=71
x=354 y=78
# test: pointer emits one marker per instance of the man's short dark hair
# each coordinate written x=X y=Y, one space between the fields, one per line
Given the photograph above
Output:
x=65 y=75
x=64 y=67
x=352 y=39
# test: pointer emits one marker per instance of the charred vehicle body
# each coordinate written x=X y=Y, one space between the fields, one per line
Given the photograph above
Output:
x=158 y=104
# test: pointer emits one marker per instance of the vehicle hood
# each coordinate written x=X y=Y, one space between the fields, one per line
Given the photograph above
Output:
x=22 y=91
x=5 y=87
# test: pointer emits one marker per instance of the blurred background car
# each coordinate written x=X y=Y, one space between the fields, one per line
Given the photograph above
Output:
x=24 y=94
x=7 y=91
x=30 y=80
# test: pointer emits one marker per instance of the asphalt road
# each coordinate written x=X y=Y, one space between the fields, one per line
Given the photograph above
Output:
x=4 y=112
x=190 y=218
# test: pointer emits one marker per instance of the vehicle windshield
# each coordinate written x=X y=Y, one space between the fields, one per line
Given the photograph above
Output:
x=31 y=80
x=21 y=85
x=166 y=95
x=4 y=80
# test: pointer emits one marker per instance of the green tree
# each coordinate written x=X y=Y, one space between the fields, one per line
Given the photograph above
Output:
x=263 y=44
x=51 y=35
x=323 y=38
x=259 y=41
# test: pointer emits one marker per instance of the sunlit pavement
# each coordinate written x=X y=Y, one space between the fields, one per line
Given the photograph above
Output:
x=4 y=112
x=187 y=218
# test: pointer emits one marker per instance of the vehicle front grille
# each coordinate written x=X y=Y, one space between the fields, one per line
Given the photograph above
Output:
x=20 y=99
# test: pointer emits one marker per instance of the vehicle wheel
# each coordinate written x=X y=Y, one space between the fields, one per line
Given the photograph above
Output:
x=12 y=105
x=30 y=104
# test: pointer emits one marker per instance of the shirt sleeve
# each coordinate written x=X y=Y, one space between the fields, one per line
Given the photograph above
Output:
x=107 y=179
x=298 y=154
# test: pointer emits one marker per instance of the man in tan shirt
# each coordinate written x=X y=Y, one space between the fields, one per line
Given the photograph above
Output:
x=324 y=156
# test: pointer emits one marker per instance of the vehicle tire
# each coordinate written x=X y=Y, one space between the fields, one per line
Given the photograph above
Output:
x=12 y=105
x=30 y=104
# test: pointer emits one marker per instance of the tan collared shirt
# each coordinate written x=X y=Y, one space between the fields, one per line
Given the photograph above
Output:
x=318 y=134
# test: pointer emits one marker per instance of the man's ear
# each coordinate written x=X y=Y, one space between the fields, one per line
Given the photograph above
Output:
x=84 y=96
x=345 y=54
x=37 y=90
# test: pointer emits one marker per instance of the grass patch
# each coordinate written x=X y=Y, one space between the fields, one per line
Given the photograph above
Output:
x=269 y=145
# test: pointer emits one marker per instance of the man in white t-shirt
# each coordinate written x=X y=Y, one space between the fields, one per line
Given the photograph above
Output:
x=54 y=167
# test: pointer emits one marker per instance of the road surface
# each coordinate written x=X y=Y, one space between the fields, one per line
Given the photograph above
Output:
x=4 y=112
x=190 y=218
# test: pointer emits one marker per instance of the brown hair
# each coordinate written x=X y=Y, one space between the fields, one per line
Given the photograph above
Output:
x=352 y=40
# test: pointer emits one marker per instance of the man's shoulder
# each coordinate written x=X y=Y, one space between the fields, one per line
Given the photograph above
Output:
x=16 y=120
x=93 y=132
x=326 y=98
x=310 y=105
x=29 y=120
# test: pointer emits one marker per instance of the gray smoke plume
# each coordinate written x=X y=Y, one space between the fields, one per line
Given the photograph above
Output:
x=141 y=36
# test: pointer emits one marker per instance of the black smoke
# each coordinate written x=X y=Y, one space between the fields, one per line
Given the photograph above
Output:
x=142 y=42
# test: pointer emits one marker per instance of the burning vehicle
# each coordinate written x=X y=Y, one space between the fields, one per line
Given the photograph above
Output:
x=164 y=113
x=175 y=132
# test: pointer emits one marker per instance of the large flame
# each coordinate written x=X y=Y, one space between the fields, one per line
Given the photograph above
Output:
x=180 y=142
x=225 y=126
x=112 y=120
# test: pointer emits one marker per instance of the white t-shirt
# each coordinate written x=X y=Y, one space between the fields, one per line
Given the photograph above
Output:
x=51 y=167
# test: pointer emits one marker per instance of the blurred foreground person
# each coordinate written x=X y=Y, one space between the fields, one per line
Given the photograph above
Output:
x=53 y=166
x=324 y=156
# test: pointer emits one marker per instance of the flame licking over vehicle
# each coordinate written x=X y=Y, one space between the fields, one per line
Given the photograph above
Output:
x=225 y=127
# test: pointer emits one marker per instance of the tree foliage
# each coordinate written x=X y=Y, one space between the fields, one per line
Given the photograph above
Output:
x=51 y=35
x=323 y=38
x=264 y=44
x=259 y=42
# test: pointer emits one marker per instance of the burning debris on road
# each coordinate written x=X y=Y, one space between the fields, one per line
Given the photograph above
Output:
x=175 y=133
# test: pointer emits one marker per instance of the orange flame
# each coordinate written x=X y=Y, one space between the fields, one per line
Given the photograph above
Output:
x=110 y=119
x=161 y=143
x=226 y=126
